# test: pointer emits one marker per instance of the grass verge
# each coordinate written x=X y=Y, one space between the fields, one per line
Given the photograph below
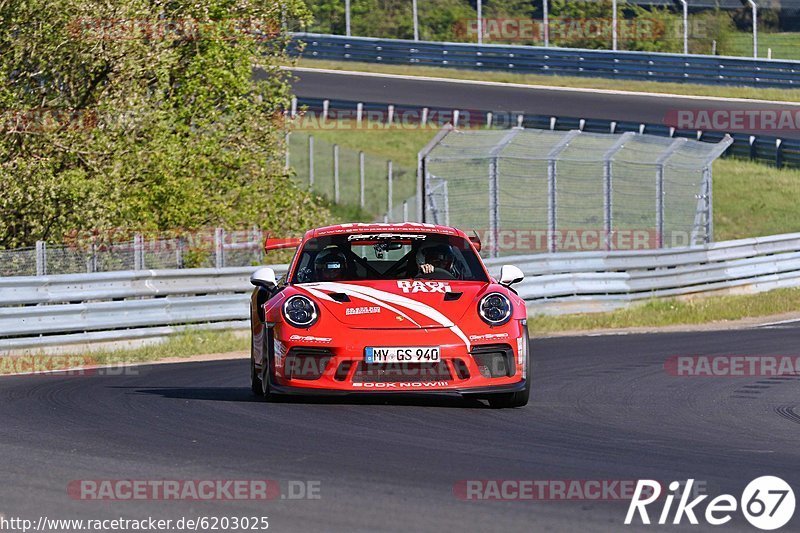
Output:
x=752 y=93
x=673 y=312
x=783 y=45
x=181 y=345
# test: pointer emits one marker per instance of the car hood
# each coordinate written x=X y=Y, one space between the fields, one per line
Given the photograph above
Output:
x=400 y=304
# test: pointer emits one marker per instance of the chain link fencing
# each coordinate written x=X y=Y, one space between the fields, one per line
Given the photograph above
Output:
x=215 y=248
x=528 y=191
x=381 y=189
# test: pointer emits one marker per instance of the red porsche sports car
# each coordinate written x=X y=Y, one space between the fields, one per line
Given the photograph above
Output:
x=389 y=308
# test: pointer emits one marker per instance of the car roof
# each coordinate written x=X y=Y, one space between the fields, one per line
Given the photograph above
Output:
x=374 y=227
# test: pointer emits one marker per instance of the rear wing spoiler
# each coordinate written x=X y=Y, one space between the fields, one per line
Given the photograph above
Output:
x=476 y=241
x=273 y=243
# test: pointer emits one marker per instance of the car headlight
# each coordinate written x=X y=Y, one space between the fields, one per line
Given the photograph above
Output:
x=300 y=311
x=495 y=309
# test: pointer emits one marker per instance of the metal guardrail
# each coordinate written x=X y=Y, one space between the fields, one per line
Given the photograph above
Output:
x=596 y=281
x=56 y=311
x=762 y=148
x=712 y=70
x=45 y=311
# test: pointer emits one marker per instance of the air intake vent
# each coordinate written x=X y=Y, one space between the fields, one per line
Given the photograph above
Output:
x=451 y=296
x=494 y=360
x=306 y=363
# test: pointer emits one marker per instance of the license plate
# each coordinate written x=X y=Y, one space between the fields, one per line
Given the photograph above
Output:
x=411 y=354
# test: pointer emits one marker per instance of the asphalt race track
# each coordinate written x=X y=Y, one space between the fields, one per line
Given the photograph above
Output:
x=556 y=102
x=603 y=409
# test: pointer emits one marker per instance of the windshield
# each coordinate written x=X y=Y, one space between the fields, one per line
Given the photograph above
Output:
x=381 y=256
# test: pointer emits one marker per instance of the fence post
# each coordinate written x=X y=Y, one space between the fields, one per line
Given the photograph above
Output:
x=361 y=179
x=422 y=170
x=660 y=206
x=754 y=7
x=608 y=177
x=359 y=113
x=347 y=17
x=493 y=208
x=138 y=252
x=779 y=153
x=480 y=21
x=310 y=161
x=286 y=141
x=614 y=25
x=446 y=204
x=179 y=252
x=336 y=173
x=405 y=211
x=219 y=247
x=660 y=163
x=389 y=191
x=546 y=22
x=685 y=5
x=708 y=178
x=41 y=258
x=552 y=197
x=93 y=256
x=255 y=237
x=415 y=16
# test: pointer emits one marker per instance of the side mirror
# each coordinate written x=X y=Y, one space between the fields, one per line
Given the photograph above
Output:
x=264 y=277
x=509 y=275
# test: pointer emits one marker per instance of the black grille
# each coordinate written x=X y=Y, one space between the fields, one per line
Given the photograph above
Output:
x=461 y=369
x=306 y=363
x=494 y=360
x=341 y=372
x=401 y=372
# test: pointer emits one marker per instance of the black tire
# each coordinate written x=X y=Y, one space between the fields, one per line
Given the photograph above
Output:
x=515 y=399
x=264 y=382
x=255 y=381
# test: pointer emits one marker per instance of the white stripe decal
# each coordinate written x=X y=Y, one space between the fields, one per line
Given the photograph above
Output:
x=408 y=303
x=362 y=297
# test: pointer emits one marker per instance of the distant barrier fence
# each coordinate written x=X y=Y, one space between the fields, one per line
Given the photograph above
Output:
x=763 y=148
x=214 y=248
x=58 y=311
x=624 y=65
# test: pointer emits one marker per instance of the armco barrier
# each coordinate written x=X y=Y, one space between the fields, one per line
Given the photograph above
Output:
x=712 y=70
x=762 y=148
x=47 y=311
x=595 y=281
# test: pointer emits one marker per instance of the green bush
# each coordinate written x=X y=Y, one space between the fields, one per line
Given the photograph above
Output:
x=113 y=119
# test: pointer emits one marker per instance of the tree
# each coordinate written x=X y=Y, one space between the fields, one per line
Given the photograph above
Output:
x=144 y=115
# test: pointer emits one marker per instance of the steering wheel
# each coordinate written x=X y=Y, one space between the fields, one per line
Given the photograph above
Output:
x=437 y=274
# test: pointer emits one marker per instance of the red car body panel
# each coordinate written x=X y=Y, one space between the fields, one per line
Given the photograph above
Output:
x=329 y=356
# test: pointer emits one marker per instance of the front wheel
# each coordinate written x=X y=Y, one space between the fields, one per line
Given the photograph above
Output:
x=515 y=399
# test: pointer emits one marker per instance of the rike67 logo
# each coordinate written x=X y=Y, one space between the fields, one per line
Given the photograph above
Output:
x=767 y=503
